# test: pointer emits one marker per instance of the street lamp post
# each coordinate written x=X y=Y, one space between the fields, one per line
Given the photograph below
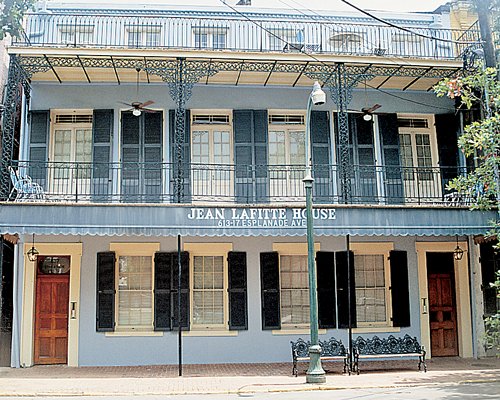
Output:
x=315 y=373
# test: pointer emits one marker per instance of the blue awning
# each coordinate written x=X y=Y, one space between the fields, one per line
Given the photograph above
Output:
x=234 y=220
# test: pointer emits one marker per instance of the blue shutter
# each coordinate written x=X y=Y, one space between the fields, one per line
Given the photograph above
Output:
x=39 y=139
x=102 y=136
x=270 y=290
x=322 y=172
x=393 y=177
x=105 y=293
x=162 y=291
x=325 y=267
x=399 y=289
x=447 y=133
x=250 y=156
x=342 y=289
x=237 y=290
x=153 y=144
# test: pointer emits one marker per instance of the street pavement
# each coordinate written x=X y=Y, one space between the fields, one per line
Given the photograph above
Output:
x=241 y=379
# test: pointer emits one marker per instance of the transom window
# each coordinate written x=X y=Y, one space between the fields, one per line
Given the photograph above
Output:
x=294 y=289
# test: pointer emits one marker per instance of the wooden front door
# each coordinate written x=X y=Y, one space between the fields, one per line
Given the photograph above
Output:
x=51 y=319
x=442 y=306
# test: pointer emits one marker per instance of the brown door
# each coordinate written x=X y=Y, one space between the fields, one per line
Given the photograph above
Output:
x=51 y=319
x=442 y=308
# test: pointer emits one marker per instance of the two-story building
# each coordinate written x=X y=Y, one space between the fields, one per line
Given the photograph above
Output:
x=149 y=132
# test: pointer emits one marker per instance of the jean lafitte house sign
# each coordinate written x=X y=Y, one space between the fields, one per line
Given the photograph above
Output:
x=258 y=217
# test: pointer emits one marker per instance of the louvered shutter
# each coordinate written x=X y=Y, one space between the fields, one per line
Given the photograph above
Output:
x=184 y=290
x=270 y=290
x=325 y=267
x=162 y=291
x=342 y=287
x=102 y=135
x=393 y=177
x=131 y=157
x=153 y=144
x=39 y=139
x=250 y=155
x=105 y=297
x=237 y=289
x=320 y=139
x=447 y=133
x=399 y=289
x=186 y=158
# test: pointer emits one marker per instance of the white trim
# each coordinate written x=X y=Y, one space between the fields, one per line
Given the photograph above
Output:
x=298 y=331
x=133 y=333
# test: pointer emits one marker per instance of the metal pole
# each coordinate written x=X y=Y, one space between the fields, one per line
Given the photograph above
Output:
x=315 y=373
x=349 y=321
x=179 y=321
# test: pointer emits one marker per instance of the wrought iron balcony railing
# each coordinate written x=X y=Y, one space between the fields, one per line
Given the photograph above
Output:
x=159 y=183
x=241 y=35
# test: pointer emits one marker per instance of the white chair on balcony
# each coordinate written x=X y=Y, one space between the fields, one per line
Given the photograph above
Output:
x=24 y=188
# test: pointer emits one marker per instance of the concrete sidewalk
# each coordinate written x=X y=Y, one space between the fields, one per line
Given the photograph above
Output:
x=234 y=378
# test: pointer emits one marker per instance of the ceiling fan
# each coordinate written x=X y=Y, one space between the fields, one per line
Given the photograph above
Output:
x=368 y=112
x=137 y=107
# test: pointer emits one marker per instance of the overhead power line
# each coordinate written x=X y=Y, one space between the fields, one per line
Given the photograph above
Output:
x=271 y=33
x=402 y=28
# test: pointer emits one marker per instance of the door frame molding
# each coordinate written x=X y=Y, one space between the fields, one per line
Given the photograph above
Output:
x=28 y=310
x=462 y=295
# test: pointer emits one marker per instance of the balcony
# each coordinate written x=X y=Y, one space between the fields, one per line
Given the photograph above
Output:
x=236 y=34
x=149 y=183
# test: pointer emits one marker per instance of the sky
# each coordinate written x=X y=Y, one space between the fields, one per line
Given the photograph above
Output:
x=387 y=5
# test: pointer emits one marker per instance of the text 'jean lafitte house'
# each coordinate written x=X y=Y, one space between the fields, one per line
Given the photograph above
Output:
x=145 y=127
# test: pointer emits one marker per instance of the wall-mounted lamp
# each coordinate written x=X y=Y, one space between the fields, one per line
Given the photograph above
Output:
x=33 y=252
x=458 y=253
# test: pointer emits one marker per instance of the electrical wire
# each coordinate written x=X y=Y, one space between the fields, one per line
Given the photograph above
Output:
x=323 y=63
x=402 y=28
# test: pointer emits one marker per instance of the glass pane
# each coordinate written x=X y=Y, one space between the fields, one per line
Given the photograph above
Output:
x=297 y=148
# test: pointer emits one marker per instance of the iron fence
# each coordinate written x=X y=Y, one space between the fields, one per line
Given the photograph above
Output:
x=237 y=34
x=154 y=183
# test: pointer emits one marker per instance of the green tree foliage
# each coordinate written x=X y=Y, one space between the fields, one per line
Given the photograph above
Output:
x=481 y=141
x=11 y=15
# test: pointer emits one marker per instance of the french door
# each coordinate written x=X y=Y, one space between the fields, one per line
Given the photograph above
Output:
x=287 y=157
x=72 y=155
x=211 y=163
x=418 y=149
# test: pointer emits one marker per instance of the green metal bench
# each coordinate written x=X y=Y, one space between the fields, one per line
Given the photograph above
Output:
x=331 y=350
x=392 y=347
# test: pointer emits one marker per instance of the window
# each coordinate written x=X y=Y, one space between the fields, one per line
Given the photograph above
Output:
x=143 y=36
x=135 y=295
x=287 y=156
x=282 y=38
x=76 y=35
x=210 y=37
x=211 y=156
x=293 y=284
x=372 y=278
x=294 y=287
x=209 y=285
x=134 y=285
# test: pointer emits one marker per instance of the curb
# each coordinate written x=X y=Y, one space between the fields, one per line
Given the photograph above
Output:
x=267 y=388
